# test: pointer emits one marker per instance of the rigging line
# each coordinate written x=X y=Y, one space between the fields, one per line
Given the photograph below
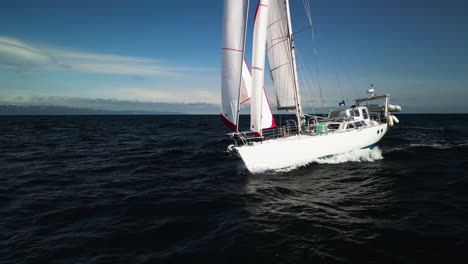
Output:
x=356 y=94
x=297 y=32
x=351 y=84
x=302 y=30
x=303 y=69
x=309 y=16
x=274 y=22
x=339 y=84
x=303 y=78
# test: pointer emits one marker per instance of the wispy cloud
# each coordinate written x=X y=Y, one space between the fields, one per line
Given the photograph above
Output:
x=16 y=53
x=114 y=64
x=174 y=95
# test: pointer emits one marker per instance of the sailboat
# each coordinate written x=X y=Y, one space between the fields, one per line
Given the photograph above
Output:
x=305 y=138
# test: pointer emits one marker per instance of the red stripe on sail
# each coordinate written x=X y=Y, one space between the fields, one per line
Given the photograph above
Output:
x=228 y=123
x=256 y=10
x=245 y=100
x=257 y=68
x=231 y=49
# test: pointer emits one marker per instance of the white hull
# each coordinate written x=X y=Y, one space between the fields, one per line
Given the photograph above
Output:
x=294 y=151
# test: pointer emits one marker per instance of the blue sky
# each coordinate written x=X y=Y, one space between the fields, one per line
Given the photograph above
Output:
x=169 y=51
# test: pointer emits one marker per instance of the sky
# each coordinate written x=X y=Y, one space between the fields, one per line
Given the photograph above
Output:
x=109 y=54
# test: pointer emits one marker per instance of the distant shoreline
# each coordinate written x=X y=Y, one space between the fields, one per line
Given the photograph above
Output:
x=50 y=110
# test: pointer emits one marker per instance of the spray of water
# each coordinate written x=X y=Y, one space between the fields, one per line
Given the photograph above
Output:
x=358 y=155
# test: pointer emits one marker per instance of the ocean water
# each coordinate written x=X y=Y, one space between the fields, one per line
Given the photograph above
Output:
x=163 y=189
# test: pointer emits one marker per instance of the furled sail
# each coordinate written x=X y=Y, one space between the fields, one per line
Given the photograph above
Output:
x=234 y=20
x=258 y=64
x=281 y=56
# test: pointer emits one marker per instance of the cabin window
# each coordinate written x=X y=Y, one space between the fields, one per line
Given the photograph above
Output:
x=336 y=114
x=333 y=114
x=350 y=125
x=364 y=113
x=356 y=112
x=333 y=126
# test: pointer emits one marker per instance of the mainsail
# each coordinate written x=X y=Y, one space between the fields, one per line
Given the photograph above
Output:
x=281 y=58
x=234 y=21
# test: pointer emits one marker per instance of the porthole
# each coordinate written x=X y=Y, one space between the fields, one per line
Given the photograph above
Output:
x=378 y=131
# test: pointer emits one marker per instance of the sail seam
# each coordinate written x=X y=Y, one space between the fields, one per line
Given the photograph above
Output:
x=277 y=44
x=277 y=21
x=285 y=64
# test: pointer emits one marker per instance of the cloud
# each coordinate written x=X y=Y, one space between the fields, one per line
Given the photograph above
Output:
x=174 y=95
x=15 y=53
x=110 y=63
x=18 y=54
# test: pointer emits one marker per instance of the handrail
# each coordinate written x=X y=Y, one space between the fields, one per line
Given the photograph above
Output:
x=291 y=129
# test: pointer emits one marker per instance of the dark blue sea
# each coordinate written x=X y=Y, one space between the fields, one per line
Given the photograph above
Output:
x=163 y=189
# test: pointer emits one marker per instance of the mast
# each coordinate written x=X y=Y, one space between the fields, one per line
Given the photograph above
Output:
x=299 y=113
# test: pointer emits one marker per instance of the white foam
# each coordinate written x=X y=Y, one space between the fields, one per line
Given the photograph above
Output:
x=358 y=155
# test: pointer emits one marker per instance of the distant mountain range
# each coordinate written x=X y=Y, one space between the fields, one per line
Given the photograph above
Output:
x=64 y=110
